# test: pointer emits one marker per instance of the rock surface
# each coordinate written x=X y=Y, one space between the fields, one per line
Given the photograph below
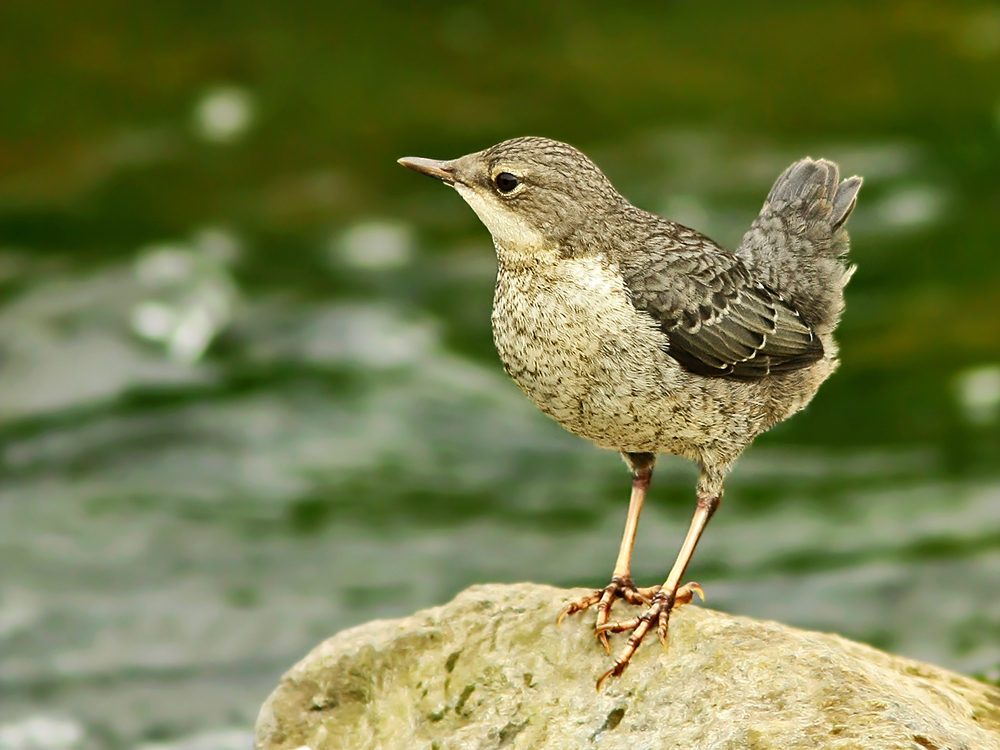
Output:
x=491 y=670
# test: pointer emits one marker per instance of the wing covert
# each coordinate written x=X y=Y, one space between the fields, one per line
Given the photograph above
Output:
x=719 y=320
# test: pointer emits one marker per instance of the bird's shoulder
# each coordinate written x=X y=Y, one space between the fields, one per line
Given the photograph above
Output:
x=719 y=318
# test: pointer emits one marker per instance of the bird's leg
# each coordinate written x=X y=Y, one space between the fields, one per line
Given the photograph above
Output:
x=621 y=586
x=671 y=594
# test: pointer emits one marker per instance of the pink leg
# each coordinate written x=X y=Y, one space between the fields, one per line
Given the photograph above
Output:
x=670 y=595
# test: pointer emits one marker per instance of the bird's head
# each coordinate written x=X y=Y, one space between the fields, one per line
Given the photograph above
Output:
x=531 y=193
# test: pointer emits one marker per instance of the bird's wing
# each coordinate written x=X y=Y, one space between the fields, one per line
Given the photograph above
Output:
x=720 y=321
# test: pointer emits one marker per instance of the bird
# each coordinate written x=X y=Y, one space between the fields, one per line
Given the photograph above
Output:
x=646 y=337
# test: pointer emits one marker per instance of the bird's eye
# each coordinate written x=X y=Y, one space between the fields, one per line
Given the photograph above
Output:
x=505 y=182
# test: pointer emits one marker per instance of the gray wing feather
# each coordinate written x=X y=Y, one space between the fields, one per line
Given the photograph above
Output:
x=719 y=320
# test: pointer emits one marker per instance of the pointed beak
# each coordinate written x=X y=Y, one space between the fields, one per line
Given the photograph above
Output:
x=440 y=170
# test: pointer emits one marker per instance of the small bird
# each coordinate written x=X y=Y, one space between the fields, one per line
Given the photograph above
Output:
x=646 y=337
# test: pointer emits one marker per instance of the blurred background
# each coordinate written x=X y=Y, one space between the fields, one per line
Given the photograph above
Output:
x=248 y=393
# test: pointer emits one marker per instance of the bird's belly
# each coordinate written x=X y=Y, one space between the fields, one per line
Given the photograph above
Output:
x=587 y=358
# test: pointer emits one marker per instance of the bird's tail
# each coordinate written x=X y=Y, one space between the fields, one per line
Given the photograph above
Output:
x=798 y=244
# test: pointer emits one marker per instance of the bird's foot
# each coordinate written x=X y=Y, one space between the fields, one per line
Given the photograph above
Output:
x=619 y=588
x=658 y=611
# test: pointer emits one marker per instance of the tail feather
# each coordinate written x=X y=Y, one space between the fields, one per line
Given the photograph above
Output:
x=805 y=179
x=845 y=200
x=798 y=243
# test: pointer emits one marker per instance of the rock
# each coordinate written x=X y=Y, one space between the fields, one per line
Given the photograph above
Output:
x=492 y=670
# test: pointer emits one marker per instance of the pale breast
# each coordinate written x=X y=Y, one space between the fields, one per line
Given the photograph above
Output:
x=569 y=336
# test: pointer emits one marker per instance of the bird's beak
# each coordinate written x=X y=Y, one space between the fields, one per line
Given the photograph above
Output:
x=441 y=170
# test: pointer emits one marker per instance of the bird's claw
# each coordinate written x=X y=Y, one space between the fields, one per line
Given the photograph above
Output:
x=619 y=588
x=659 y=609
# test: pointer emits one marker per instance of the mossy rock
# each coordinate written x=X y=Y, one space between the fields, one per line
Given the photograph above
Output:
x=492 y=670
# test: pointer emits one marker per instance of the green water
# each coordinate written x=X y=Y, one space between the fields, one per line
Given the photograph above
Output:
x=248 y=395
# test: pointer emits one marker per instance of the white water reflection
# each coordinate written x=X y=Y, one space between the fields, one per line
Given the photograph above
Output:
x=65 y=343
x=41 y=732
x=193 y=294
x=373 y=245
x=911 y=207
x=978 y=391
x=224 y=114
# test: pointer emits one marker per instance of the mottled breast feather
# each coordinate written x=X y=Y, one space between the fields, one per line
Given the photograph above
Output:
x=720 y=320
